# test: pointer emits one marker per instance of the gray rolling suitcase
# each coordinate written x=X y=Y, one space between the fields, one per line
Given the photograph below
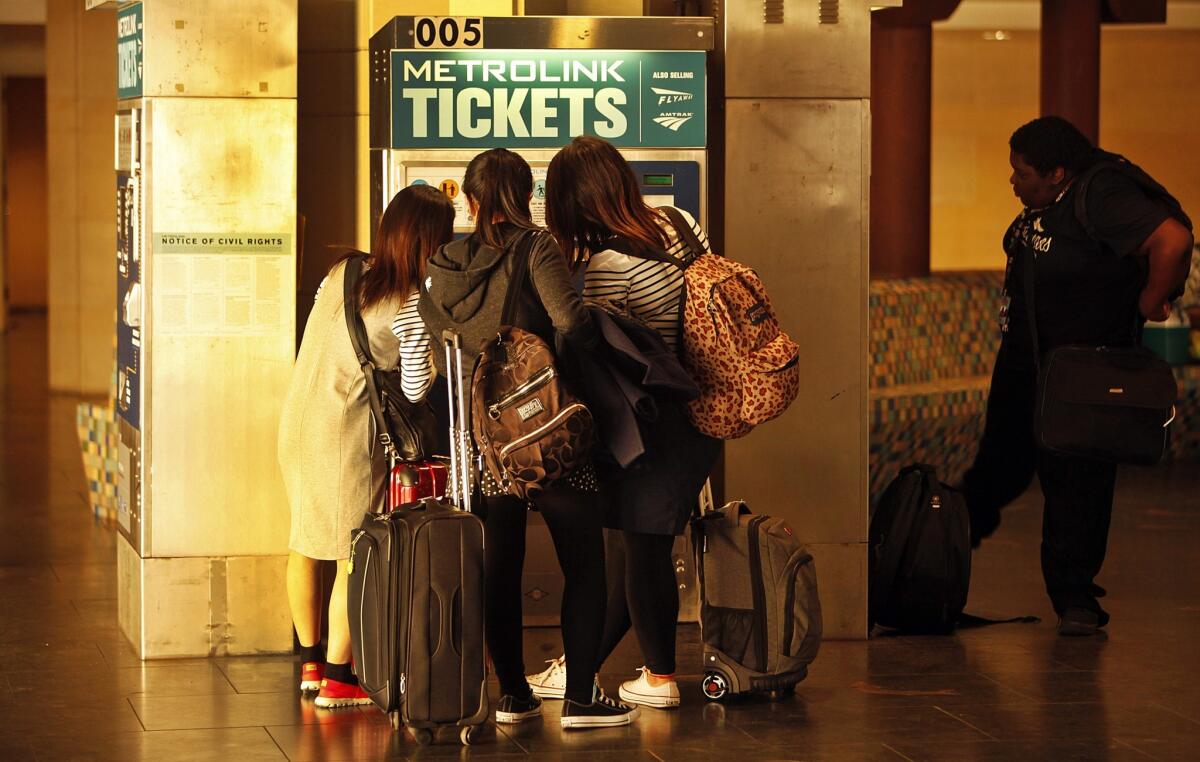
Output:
x=416 y=597
x=760 y=616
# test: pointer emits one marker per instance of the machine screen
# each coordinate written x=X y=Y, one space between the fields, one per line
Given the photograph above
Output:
x=663 y=183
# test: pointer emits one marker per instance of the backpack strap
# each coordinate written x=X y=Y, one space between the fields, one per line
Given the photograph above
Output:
x=1084 y=181
x=692 y=248
x=1148 y=185
x=362 y=350
x=520 y=274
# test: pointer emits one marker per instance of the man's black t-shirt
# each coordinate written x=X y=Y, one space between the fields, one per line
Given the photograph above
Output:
x=1086 y=290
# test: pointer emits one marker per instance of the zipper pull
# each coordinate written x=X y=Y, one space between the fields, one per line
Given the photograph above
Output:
x=353 y=542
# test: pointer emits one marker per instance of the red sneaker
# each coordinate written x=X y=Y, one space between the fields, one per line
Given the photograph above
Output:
x=335 y=693
x=311 y=675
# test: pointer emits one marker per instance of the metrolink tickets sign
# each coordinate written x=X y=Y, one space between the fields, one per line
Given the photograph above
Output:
x=543 y=98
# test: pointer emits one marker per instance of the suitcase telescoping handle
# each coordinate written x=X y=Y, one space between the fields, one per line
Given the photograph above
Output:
x=460 y=434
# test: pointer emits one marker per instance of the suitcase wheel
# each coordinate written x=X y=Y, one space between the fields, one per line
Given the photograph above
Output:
x=782 y=693
x=467 y=735
x=715 y=685
x=424 y=736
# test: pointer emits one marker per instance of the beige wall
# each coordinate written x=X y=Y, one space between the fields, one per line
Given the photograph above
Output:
x=80 y=103
x=983 y=90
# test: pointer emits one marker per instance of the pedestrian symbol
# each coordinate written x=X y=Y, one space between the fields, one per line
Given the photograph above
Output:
x=539 y=189
x=450 y=188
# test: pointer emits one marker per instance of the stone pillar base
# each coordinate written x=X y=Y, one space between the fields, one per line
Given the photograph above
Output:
x=842 y=584
x=199 y=607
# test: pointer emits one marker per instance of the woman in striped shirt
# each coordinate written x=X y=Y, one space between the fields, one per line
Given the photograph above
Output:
x=596 y=212
x=332 y=467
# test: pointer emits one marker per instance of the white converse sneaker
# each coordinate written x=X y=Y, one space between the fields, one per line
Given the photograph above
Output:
x=640 y=691
x=550 y=683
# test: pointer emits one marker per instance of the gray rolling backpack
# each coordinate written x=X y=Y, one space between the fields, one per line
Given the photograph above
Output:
x=760 y=616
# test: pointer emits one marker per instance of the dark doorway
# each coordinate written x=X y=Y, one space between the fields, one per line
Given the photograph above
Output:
x=25 y=206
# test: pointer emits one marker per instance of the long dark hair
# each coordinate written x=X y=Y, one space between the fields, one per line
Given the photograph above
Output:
x=418 y=220
x=500 y=182
x=592 y=195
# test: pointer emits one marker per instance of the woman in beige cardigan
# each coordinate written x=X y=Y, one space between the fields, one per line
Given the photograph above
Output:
x=332 y=468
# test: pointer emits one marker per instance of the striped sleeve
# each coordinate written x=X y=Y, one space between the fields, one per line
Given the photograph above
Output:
x=650 y=290
x=416 y=350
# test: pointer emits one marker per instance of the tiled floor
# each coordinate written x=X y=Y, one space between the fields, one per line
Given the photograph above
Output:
x=71 y=689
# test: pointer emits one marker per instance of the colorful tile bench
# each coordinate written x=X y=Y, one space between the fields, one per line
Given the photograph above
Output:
x=99 y=440
x=933 y=342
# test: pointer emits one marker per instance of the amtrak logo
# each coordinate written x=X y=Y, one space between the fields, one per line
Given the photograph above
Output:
x=673 y=120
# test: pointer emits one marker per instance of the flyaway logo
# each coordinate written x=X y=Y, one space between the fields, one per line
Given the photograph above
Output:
x=671 y=96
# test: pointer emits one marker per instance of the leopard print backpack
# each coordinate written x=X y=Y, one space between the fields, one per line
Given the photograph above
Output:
x=530 y=429
x=745 y=365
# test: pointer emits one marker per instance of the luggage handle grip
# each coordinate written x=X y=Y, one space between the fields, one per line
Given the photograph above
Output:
x=460 y=462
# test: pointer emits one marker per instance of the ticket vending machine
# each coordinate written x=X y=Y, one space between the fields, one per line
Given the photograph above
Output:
x=443 y=89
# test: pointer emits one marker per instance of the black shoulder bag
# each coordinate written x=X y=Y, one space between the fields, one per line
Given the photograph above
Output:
x=406 y=430
x=1107 y=403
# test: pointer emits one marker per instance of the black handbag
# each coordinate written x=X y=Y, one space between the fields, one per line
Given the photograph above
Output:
x=1107 y=403
x=407 y=431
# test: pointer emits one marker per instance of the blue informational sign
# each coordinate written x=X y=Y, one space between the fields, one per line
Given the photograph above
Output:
x=129 y=52
x=541 y=99
x=129 y=305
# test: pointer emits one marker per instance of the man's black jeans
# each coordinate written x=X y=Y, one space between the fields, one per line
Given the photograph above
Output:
x=1078 y=491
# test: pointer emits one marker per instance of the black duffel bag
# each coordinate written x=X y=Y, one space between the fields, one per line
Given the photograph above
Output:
x=1107 y=403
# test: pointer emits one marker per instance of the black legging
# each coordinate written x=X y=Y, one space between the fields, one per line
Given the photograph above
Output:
x=574 y=520
x=1078 y=492
x=641 y=592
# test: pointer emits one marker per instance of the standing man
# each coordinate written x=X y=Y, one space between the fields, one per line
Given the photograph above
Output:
x=1094 y=272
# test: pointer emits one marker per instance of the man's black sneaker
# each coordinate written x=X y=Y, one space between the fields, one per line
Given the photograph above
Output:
x=1078 y=621
x=512 y=710
x=603 y=712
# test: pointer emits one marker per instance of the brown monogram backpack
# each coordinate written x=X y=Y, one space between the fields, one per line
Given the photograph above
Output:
x=530 y=429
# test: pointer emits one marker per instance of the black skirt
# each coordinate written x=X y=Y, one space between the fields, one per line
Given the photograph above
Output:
x=657 y=494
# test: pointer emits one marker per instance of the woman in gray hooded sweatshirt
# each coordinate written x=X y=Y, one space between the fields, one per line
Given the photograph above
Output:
x=465 y=286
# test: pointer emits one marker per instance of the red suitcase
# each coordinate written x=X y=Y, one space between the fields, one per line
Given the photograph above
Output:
x=410 y=482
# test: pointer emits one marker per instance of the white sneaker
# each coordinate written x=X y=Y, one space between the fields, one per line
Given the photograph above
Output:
x=550 y=683
x=640 y=691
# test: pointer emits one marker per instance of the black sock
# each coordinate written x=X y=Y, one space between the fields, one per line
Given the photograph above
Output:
x=340 y=672
x=312 y=653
